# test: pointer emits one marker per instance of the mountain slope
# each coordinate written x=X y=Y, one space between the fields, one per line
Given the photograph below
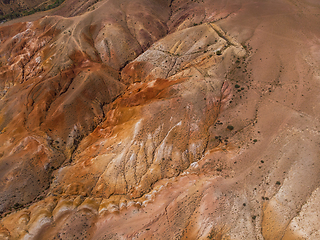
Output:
x=161 y=120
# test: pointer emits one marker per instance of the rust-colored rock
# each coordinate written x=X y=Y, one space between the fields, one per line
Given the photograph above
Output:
x=161 y=120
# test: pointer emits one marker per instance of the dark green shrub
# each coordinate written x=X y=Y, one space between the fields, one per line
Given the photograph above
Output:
x=230 y=127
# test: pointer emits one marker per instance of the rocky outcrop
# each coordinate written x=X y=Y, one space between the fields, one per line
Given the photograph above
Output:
x=161 y=120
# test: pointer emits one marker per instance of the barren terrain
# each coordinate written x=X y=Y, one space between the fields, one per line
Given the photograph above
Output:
x=158 y=119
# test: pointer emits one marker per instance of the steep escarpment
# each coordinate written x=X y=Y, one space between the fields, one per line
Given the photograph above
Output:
x=161 y=120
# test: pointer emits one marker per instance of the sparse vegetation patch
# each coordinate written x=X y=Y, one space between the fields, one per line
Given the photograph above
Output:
x=18 y=14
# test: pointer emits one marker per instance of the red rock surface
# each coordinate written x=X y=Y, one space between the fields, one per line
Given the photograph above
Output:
x=161 y=120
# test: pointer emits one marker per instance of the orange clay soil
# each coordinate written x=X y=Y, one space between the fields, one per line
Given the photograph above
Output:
x=145 y=119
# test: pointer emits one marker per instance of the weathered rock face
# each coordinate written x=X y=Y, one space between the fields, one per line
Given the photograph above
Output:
x=161 y=120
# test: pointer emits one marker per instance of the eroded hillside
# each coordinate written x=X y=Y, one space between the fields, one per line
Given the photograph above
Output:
x=161 y=120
